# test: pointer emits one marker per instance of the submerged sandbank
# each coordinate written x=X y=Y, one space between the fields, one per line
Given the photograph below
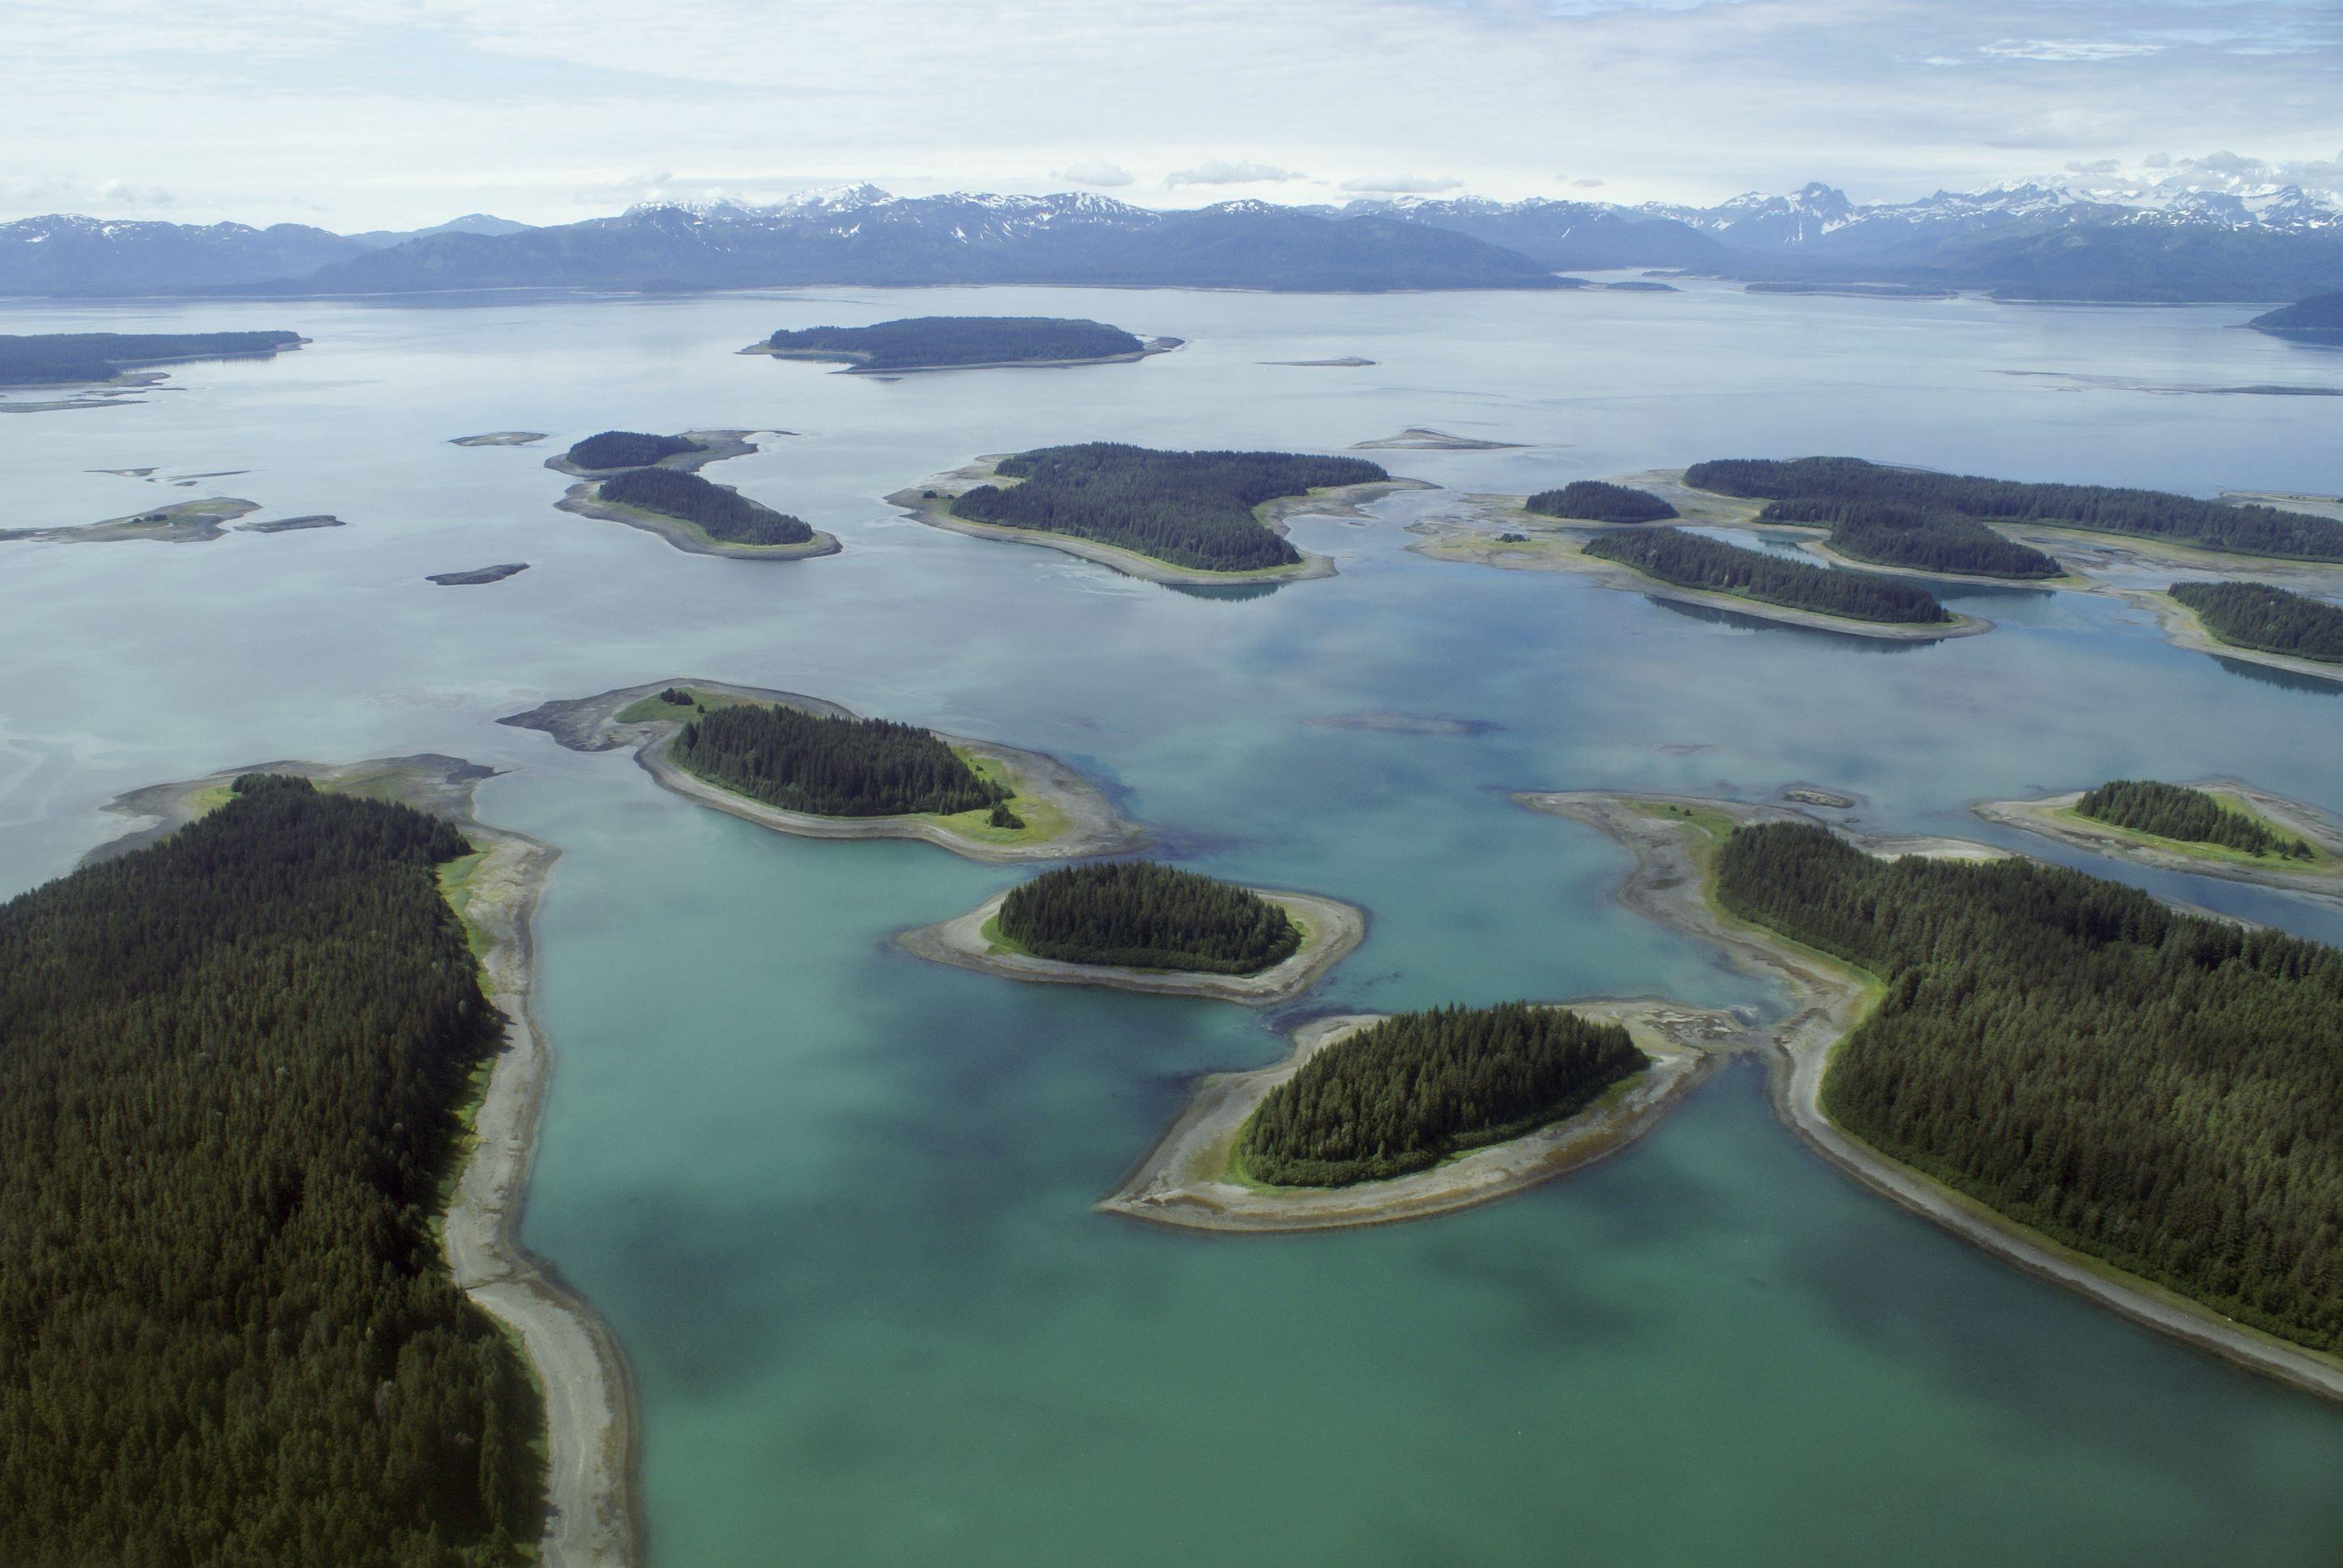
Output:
x=593 y=1514
x=1081 y=820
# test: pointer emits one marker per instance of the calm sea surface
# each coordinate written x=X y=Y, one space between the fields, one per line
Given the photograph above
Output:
x=836 y=1203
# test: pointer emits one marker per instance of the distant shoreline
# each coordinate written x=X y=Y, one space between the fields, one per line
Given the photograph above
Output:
x=855 y=365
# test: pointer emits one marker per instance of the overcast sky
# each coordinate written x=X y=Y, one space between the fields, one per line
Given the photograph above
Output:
x=394 y=112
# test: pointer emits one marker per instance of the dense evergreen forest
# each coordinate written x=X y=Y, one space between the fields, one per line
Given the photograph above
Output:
x=724 y=515
x=1891 y=534
x=2175 y=811
x=2255 y=615
x=230 y=1071
x=38 y=359
x=2159 y=1090
x=1142 y=915
x=2254 y=530
x=924 y=340
x=1406 y=1093
x=1189 y=508
x=627 y=449
x=832 y=766
x=1599 y=501
x=1697 y=561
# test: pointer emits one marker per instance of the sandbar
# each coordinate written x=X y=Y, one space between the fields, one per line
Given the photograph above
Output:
x=594 y=1514
x=1085 y=824
x=1186 y=1181
x=478 y=576
x=1671 y=883
x=1416 y=438
x=499 y=438
x=181 y=523
x=1330 y=931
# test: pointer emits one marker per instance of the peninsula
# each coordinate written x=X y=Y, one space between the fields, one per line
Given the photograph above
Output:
x=1139 y=926
x=414 y=1115
x=91 y=358
x=1176 y=517
x=802 y=766
x=2010 y=1133
x=2221 y=828
x=2259 y=622
x=962 y=343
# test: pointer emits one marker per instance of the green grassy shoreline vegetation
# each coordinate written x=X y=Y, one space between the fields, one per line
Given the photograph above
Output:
x=1411 y=1092
x=1139 y=914
x=939 y=342
x=724 y=515
x=2190 y=816
x=1695 y=561
x=1189 y=510
x=2160 y=1090
x=232 y=1069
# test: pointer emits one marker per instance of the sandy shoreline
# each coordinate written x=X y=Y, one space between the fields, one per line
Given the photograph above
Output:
x=594 y=1514
x=1556 y=545
x=1340 y=501
x=2185 y=628
x=180 y=523
x=2052 y=817
x=585 y=499
x=1184 y=1180
x=1331 y=930
x=592 y=724
x=715 y=447
x=1668 y=884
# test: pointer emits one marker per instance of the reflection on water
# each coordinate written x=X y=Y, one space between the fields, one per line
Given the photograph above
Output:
x=2271 y=675
x=1742 y=621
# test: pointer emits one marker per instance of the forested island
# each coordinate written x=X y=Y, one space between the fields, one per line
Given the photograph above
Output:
x=1600 y=501
x=1695 y=561
x=2159 y=1090
x=2191 y=816
x=718 y=511
x=1892 y=534
x=828 y=766
x=799 y=765
x=2266 y=619
x=1140 y=914
x=627 y=449
x=1193 y=510
x=961 y=342
x=1806 y=482
x=231 y=1069
x=1410 y=1091
x=2059 y=1068
x=2318 y=319
x=62 y=358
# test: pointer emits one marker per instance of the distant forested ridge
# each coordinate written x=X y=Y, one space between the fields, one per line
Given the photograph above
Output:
x=1600 y=501
x=2318 y=318
x=1696 y=562
x=2255 y=530
x=831 y=767
x=2175 y=811
x=2258 y=615
x=725 y=515
x=1891 y=534
x=230 y=1070
x=40 y=359
x=2161 y=1090
x=1406 y=1093
x=1190 y=509
x=1141 y=915
x=926 y=340
x=627 y=449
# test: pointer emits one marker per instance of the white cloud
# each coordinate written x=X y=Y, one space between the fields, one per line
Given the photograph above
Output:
x=1403 y=184
x=2067 y=50
x=1092 y=172
x=1223 y=172
x=1587 y=183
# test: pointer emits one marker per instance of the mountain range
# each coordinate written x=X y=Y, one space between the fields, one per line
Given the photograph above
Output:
x=2028 y=241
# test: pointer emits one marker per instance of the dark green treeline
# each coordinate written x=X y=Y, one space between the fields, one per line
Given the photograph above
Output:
x=1147 y=915
x=2175 y=811
x=1187 y=508
x=2159 y=1090
x=1404 y=1094
x=922 y=340
x=230 y=1066
x=2258 y=615
x=1697 y=561
x=1599 y=501
x=833 y=766
x=725 y=515
x=627 y=449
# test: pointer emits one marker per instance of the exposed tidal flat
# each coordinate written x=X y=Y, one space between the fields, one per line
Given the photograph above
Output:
x=787 y=1162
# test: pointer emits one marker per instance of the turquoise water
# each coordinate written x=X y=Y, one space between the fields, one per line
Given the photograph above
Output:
x=835 y=1202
